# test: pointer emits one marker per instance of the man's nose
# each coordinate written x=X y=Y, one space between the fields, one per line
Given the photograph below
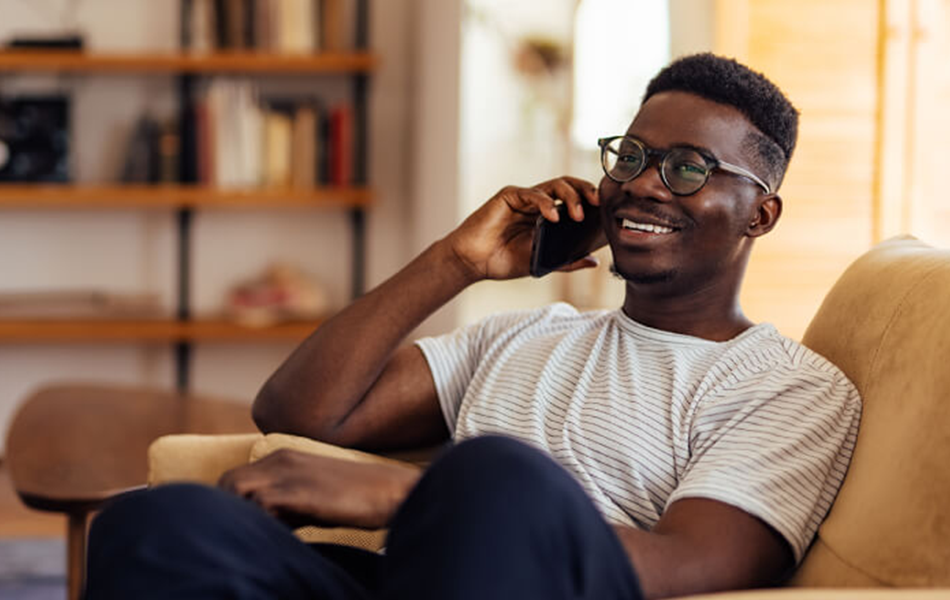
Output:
x=648 y=184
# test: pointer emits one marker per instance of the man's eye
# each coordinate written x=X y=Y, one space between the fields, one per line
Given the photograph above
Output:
x=690 y=171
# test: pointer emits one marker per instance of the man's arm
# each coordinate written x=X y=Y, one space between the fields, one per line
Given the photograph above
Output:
x=702 y=546
x=347 y=384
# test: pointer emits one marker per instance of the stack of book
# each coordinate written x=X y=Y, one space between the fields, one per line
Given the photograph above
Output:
x=246 y=141
x=75 y=304
x=281 y=26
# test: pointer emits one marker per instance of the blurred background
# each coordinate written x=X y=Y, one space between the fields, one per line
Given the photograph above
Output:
x=176 y=212
x=189 y=187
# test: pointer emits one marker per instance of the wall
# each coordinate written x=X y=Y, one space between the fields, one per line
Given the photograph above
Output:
x=434 y=206
x=134 y=251
x=824 y=56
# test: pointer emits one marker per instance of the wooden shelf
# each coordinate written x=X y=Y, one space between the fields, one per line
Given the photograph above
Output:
x=177 y=62
x=157 y=330
x=27 y=196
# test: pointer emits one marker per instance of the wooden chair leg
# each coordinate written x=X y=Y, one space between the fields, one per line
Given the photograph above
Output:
x=76 y=555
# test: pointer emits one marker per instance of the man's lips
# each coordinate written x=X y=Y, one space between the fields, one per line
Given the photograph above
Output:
x=636 y=226
x=648 y=214
x=644 y=226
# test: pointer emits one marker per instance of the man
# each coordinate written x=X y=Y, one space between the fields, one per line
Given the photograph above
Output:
x=669 y=447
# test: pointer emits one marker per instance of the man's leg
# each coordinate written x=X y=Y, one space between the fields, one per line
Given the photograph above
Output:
x=494 y=518
x=188 y=541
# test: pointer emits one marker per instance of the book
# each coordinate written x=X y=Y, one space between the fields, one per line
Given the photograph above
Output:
x=263 y=26
x=295 y=26
x=304 y=146
x=341 y=145
x=204 y=141
x=202 y=34
x=331 y=26
x=233 y=24
x=278 y=131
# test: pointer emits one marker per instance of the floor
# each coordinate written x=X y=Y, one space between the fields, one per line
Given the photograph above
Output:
x=32 y=549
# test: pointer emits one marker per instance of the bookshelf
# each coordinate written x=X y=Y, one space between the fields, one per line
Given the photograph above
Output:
x=83 y=331
x=257 y=63
x=187 y=68
x=163 y=197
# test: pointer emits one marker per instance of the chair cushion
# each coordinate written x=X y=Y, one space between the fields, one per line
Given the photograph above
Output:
x=886 y=324
x=197 y=457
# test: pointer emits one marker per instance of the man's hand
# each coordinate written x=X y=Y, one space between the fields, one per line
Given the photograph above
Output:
x=306 y=489
x=494 y=242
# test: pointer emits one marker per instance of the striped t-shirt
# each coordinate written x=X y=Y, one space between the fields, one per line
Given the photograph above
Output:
x=644 y=417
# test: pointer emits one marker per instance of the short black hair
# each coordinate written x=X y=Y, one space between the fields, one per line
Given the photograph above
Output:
x=729 y=82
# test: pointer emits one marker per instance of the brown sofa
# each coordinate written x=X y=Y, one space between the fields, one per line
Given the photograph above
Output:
x=886 y=324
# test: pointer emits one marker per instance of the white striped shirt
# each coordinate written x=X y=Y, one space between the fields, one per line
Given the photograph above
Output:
x=644 y=417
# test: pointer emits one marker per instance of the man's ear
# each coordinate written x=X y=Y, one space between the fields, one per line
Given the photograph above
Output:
x=767 y=214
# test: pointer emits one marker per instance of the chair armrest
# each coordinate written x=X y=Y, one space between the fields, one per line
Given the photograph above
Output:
x=830 y=594
x=281 y=441
x=197 y=458
x=204 y=458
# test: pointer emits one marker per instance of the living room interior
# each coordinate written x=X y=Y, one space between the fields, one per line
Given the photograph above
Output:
x=188 y=188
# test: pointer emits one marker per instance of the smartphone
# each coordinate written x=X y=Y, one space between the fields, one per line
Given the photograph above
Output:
x=561 y=243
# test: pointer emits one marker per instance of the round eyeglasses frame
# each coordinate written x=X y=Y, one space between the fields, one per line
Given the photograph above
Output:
x=652 y=154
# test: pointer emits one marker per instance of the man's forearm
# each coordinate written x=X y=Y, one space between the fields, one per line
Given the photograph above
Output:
x=328 y=375
x=702 y=546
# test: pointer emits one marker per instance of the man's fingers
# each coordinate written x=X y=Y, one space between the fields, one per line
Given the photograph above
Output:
x=544 y=203
x=243 y=481
x=585 y=188
x=562 y=190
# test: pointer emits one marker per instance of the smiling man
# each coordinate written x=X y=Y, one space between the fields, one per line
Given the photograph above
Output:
x=667 y=447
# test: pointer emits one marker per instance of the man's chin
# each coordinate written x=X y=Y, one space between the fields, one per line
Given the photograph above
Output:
x=640 y=278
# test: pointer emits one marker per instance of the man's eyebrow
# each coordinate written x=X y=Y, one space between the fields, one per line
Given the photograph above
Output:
x=687 y=145
x=700 y=149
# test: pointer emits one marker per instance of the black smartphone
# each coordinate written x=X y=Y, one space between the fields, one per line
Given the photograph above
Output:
x=561 y=243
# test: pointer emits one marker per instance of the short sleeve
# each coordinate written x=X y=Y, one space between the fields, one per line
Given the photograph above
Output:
x=453 y=358
x=776 y=445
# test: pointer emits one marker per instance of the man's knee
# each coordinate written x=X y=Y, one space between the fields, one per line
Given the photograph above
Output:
x=496 y=468
x=166 y=510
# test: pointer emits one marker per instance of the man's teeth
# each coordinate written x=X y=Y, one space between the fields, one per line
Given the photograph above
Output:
x=628 y=224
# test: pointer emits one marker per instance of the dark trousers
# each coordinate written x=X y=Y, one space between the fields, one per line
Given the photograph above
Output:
x=491 y=519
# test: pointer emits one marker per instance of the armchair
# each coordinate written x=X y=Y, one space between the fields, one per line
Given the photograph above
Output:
x=886 y=324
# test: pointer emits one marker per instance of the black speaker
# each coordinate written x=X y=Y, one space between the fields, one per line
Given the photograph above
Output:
x=34 y=139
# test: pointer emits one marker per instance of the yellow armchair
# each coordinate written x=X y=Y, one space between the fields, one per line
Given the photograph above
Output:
x=886 y=324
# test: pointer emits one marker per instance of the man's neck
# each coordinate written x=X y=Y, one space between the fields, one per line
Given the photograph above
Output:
x=712 y=314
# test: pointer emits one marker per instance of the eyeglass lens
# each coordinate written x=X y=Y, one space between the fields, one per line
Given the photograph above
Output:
x=684 y=171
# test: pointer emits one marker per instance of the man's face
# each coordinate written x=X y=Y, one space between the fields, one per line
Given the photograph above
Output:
x=709 y=227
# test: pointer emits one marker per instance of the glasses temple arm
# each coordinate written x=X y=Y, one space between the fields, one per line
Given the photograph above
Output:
x=737 y=170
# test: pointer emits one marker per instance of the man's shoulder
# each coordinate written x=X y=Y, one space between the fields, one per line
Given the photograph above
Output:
x=770 y=360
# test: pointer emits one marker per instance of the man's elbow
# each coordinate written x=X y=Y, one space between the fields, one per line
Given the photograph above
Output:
x=275 y=411
x=266 y=410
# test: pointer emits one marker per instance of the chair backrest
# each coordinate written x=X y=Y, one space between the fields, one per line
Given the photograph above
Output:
x=886 y=324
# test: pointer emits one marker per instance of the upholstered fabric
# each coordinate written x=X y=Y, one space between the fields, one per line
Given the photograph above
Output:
x=197 y=458
x=886 y=324
x=827 y=594
x=204 y=458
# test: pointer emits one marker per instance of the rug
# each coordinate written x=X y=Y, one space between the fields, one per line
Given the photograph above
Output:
x=32 y=569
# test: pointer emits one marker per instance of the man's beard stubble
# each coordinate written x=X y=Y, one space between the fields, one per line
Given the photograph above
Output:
x=641 y=278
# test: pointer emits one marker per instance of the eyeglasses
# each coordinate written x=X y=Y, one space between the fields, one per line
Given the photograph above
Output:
x=684 y=170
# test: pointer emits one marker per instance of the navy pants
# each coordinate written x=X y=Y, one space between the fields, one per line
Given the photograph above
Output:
x=491 y=518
